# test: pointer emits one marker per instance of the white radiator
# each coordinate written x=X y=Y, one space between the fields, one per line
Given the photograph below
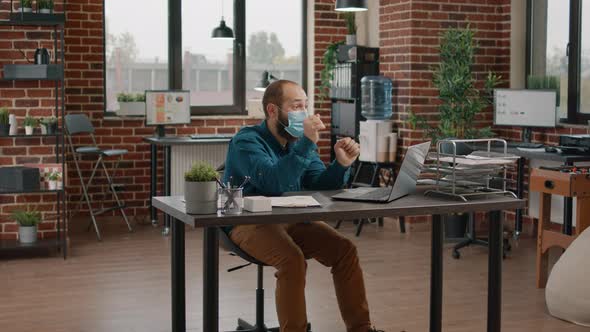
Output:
x=184 y=156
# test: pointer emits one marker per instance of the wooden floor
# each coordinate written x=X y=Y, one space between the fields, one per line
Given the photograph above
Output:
x=123 y=284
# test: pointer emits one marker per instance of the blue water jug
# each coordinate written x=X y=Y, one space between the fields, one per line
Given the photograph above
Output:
x=376 y=97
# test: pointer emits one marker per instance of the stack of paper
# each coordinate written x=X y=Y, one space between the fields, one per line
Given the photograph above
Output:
x=294 y=201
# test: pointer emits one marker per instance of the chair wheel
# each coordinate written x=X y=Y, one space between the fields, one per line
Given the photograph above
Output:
x=456 y=254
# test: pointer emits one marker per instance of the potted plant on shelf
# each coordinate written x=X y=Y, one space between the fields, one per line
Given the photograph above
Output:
x=130 y=104
x=200 y=189
x=54 y=180
x=4 y=121
x=26 y=6
x=327 y=74
x=30 y=123
x=45 y=6
x=48 y=125
x=27 y=221
x=461 y=101
x=350 y=19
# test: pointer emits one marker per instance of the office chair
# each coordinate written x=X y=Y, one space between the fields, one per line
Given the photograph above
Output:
x=234 y=250
x=79 y=124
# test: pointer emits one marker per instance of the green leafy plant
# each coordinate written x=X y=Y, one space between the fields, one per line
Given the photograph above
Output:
x=140 y=97
x=327 y=73
x=4 y=116
x=461 y=100
x=30 y=121
x=27 y=3
x=350 y=19
x=545 y=82
x=201 y=172
x=54 y=176
x=44 y=4
x=48 y=121
x=27 y=218
x=130 y=97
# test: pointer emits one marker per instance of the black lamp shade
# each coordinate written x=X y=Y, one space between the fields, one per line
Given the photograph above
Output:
x=222 y=31
x=351 y=5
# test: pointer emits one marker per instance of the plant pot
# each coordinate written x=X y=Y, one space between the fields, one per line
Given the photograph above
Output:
x=27 y=234
x=350 y=39
x=43 y=129
x=4 y=129
x=200 y=197
x=27 y=10
x=52 y=184
x=456 y=226
x=50 y=129
x=45 y=11
x=131 y=108
x=29 y=130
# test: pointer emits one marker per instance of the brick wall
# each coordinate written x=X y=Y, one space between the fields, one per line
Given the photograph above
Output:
x=409 y=39
x=84 y=94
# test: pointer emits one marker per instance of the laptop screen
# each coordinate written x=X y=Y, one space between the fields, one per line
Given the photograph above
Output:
x=405 y=183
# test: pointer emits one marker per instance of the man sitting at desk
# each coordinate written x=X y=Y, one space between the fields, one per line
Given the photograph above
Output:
x=280 y=156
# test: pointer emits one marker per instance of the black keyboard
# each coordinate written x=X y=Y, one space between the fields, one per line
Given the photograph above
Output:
x=525 y=145
x=378 y=193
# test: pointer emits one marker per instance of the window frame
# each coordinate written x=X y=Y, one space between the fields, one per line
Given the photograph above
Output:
x=574 y=116
x=238 y=107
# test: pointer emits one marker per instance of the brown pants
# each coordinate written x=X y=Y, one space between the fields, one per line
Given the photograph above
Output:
x=286 y=247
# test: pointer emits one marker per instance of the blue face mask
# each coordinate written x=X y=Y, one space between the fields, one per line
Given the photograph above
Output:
x=295 y=127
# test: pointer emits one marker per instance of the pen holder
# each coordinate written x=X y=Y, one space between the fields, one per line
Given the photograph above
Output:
x=231 y=200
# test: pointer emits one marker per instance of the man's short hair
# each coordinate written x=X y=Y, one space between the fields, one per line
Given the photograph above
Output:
x=274 y=94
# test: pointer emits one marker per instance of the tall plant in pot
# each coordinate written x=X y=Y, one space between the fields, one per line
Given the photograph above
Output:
x=27 y=221
x=45 y=6
x=350 y=19
x=26 y=6
x=48 y=125
x=4 y=121
x=200 y=189
x=461 y=102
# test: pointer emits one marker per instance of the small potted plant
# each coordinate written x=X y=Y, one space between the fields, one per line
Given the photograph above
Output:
x=48 y=125
x=29 y=123
x=54 y=180
x=4 y=121
x=130 y=104
x=350 y=20
x=45 y=6
x=200 y=189
x=26 y=6
x=27 y=221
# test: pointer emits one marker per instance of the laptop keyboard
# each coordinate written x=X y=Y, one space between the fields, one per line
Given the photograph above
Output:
x=378 y=193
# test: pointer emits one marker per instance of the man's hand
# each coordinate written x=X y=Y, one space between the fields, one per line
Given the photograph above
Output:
x=346 y=150
x=311 y=127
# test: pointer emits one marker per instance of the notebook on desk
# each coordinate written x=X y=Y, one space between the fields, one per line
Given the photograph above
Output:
x=405 y=183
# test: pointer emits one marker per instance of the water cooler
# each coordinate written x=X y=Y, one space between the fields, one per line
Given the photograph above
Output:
x=377 y=140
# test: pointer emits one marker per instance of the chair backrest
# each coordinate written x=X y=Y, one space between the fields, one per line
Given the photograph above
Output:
x=229 y=245
x=78 y=124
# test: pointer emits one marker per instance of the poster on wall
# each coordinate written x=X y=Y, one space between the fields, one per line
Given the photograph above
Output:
x=167 y=107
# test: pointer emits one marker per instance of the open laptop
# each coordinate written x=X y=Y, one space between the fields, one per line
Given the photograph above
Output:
x=405 y=183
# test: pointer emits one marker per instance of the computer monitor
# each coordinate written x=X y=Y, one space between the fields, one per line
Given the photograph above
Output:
x=525 y=108
x=167 y=107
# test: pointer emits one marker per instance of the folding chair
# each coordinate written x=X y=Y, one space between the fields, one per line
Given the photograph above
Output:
x=79 y=124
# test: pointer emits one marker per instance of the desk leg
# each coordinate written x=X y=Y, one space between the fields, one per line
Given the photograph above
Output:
x=167 y=185
x=519 y=193
x=153 y=182
x=495 y=272
x=210 y=280
x=568 y=207
x=178 y=277
x=436 y=274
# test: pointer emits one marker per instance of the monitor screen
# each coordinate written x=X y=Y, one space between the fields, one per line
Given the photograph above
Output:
x=525 y=108
x=167 y=107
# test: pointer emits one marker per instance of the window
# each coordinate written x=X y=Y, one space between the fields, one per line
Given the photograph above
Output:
x=221 y=74
x=560 y=46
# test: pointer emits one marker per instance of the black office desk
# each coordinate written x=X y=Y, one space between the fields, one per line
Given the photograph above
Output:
x=416 y=204
x=565 y=159
x=167 y=142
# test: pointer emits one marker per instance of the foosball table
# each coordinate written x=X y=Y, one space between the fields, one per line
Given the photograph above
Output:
x=567 y=181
